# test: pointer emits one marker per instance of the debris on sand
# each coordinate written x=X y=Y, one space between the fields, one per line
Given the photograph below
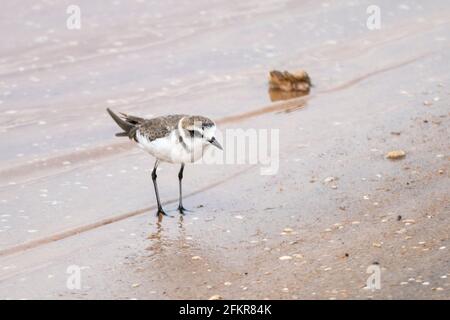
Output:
x=196 y=258
x=396 y=154
x=329 y=179
x=215 y=297
x=285 y=81
x=288 y=231
x=377 y=244
x=285 y=258
x=408 y=222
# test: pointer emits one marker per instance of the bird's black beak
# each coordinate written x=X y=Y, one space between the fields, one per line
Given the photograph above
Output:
x=215 y=143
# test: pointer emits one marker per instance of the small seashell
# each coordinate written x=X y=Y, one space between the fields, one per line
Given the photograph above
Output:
x=396 y=154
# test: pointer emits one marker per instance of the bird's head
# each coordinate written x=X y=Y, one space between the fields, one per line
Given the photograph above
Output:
x=197 y=130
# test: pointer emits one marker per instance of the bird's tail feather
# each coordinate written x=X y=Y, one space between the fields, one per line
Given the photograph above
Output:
x=125 y=126
x=132 y=119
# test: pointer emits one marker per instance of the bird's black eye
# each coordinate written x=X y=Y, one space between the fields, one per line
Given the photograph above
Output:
x=195 y=133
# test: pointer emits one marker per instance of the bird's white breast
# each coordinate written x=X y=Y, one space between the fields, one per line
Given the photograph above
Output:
x=169 y=148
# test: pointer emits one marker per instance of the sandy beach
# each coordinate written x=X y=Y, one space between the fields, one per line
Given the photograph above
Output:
x=72 y=195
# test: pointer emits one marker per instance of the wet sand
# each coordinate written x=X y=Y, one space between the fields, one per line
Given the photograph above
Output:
x=73 y=194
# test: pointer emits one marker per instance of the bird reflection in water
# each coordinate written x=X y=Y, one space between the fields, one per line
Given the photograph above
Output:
x=160 y=239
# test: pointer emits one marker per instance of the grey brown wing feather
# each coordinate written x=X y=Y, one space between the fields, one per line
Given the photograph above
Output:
x=152 y=129
x=160 y=127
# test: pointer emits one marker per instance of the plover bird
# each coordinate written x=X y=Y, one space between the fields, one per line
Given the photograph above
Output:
x=174 y=138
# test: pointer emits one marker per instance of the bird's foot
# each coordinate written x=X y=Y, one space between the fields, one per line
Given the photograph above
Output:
x=161 y=212
x=183 y=210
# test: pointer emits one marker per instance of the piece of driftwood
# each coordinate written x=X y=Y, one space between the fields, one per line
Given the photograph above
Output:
x=298 y=81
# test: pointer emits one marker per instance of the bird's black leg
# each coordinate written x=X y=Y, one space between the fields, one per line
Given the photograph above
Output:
x=154 y=176
x=180 y=204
